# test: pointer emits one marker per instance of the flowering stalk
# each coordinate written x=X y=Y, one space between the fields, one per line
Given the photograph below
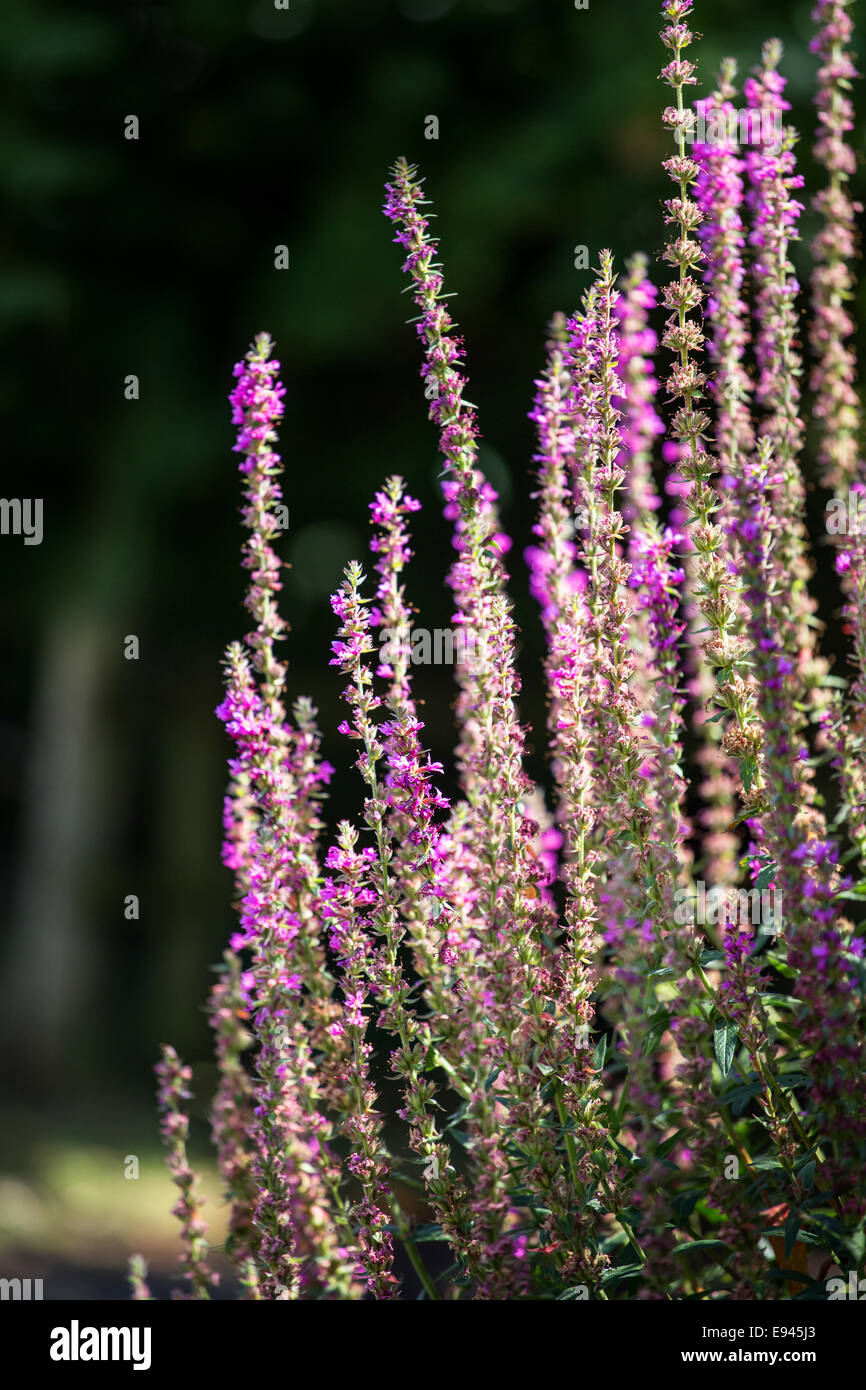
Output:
x=806 y=870
x=837 y=404
x=775 y=213
x=719 y=192
x=293 y=1167
x=139 y=1290
x=419 y=860
x=490 y=754
x=717 y=593
x=718 y=590
x=274 y=825
x=348 y=897
x=641 y=423
x=620 y=789
x=657 y=576
x=558 y=585
x=375 y=959
x=834 y=375
x=173 y=1090
x=492 y=962
x=554 y=579
x=232 y=1119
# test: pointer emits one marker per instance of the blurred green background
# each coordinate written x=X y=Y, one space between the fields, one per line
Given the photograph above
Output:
x=155 y=257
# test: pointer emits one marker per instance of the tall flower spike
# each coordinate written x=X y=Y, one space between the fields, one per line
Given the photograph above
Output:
x=558 y=584
x=363 y=907
x=490 y=754
x=552 y=560
x=640 y=851
x=775 y=213
x=478 y=574
x=658 y=577
x=719 y=192
x=232 y=1119
x=275 y=791
x=418 y=858
x=293 y=1168
x=641 y=424
x=257 y=406
x=554 y=578
x=806 y=871
x=137 y=1276
x=717 y=588
x=173 y=1090
x=657 y=658
x=837 y=404
x=390 y=544
x=349 y=898
x=592 y=356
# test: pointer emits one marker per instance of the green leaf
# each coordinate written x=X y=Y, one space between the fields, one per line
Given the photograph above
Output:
x=668 y=1144
x=740 y=1096
x=691 y=1245
x=458 y=1114
x=611 y=1276
x=792 y=1226
x=767 y=874
x=657 y=1025
x=781 y=1001
x=432 y=1231
x=791 y=1079
x=793 y=1276
x=652 y=1039
x=780 y=963
x=807 y=1175
x=725 y=1044
x=600 y=1053
x=684 y=1204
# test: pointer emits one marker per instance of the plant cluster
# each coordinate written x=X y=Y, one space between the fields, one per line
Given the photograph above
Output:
x=475 y=1037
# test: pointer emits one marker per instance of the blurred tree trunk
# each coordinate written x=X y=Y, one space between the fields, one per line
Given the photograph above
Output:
x=47 y=970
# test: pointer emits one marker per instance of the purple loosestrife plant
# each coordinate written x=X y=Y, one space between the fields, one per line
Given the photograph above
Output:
x=836 y=405
x=719 y=192
x=174 y=1079
x=717 y=588
x=774 y=179
x=518 y=1022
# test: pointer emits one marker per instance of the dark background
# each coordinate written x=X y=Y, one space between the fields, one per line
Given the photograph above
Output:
x=155 y=257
